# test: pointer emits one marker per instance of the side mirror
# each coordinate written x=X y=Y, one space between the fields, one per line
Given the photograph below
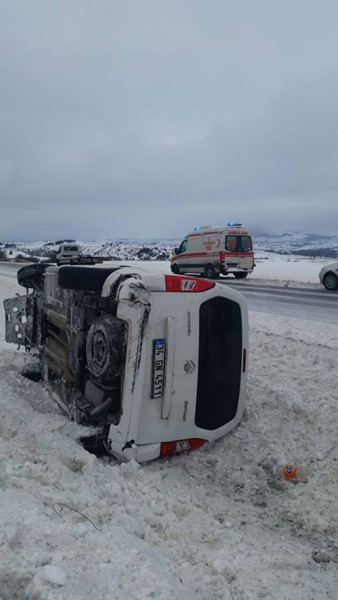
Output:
x=175 y=250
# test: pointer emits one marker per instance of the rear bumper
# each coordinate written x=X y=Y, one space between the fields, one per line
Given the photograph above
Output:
x=132 y=451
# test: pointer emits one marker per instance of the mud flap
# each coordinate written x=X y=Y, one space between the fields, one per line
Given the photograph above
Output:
x=19 y=320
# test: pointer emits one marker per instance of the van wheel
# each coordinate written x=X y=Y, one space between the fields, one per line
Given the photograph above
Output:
x=105 y=349
x=210 y=272
x=175 y=269
x=85 y=279
x=240 y=275
x=31 y=276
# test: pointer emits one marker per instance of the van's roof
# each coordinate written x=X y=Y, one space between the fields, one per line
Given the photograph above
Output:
x=217 y=228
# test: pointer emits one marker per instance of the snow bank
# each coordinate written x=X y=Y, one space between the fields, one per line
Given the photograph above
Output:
x=213 y=525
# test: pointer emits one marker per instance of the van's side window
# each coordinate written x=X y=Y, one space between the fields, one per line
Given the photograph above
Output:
x=182 y=247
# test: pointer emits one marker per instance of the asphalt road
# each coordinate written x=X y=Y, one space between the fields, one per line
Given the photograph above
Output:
x=9 y=269
x=314 y=304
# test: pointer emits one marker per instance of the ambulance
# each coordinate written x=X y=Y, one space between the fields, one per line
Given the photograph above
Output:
x=211 y=251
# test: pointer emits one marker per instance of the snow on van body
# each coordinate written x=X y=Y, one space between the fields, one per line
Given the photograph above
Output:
x=215 y=250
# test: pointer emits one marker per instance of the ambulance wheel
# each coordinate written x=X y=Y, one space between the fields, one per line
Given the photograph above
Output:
x=240 y=275
x=175 y=269
x=210 y=272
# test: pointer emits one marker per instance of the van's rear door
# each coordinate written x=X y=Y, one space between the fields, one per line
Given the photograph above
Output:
x=190 y=380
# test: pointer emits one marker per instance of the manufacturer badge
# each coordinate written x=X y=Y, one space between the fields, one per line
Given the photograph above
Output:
x=189 y=367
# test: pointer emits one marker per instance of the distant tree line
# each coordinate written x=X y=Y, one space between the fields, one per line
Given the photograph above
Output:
x=310 y=252
x=155 y=253
x=317 y=252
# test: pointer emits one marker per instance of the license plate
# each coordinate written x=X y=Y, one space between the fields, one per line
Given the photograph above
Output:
x=158 y=367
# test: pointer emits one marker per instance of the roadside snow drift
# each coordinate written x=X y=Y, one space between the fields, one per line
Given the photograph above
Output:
x=216 y=524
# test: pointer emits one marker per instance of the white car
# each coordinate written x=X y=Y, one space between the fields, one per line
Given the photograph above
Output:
x=328 y=276
x=158 y=363
x=67 y=252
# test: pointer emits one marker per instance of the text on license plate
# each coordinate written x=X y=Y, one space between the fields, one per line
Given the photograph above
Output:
x=158 y=368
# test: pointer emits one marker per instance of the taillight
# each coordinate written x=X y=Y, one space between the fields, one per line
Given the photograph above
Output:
x=178 y=446
x=178 y=283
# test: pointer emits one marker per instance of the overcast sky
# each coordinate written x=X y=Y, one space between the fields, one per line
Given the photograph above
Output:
x=145 y=118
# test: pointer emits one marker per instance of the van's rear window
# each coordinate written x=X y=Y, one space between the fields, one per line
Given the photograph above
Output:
x=238 y=243
x=220 y=361
x=70 y=248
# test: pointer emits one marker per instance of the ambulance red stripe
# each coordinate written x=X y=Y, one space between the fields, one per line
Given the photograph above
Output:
x=178 y=257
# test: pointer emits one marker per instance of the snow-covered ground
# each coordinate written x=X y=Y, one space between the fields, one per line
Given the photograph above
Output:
x=213 y=525
x=297 y=270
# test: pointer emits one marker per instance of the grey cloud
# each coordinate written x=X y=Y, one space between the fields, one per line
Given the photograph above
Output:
x=147 y=118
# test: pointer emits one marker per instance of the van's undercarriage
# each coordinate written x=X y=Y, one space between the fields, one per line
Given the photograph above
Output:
x=77 y=343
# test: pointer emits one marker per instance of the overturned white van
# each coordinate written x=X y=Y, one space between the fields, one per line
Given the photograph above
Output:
x=211 y=251
x=157 y=363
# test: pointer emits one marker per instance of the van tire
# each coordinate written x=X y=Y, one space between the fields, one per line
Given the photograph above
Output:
x=241 y=275
x=31 y=276
x=210 y=272
x=175 y=269
x=84 y=279
x=105 y=349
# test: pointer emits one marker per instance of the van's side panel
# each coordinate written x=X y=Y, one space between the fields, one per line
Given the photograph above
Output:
x=201 y=250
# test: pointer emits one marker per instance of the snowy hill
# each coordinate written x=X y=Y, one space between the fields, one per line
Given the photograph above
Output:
x=302 y=244
x=111 y=249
